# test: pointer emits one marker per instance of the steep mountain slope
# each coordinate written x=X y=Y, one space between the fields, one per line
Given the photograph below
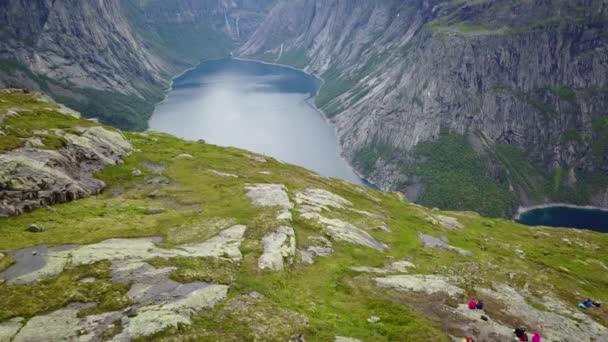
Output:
x=113 y=59
x=190 y=241
x=483 y=105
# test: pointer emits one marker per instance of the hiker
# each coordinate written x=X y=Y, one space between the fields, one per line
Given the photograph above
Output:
x=597 y=304
x=468 y=339
x=536 y=337
x=521 y=334
x=586 y=304
x=480 y=305
x=472 y=304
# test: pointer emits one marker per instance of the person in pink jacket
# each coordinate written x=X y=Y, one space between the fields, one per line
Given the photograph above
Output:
x=536 y=337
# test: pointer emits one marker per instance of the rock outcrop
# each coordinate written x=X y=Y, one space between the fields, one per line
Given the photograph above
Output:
x=344 y=231
x=279 y=249
x=429 y=284
x=32 y=177
x=48 y=262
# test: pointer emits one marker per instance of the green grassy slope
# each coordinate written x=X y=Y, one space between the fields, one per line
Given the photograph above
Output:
x=334 y=299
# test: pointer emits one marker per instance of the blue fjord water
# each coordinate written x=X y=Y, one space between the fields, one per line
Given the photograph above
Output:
x=259 y=107
x=562 y=216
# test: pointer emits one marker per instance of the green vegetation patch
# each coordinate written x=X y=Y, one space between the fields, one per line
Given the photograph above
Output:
x=29 y=300
x=25 y=115
x=210 y=270
x=456 y=177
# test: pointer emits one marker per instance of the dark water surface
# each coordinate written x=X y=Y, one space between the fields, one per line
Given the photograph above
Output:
x=259 y=107
x=559 y=216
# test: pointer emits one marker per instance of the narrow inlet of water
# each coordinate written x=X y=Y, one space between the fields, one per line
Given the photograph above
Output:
x=260 y=107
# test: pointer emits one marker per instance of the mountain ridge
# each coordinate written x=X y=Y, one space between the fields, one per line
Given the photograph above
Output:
x=501 y=93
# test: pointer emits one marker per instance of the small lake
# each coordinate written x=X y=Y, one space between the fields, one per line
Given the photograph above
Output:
x=255 y=106
x=571 y=217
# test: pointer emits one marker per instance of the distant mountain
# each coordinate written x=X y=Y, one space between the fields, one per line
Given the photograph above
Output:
x=113 y=59
x=482 y=105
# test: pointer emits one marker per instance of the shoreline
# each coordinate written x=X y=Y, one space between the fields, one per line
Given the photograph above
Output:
x=523 y=210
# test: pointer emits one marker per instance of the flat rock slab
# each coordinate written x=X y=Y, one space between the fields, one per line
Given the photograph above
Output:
x=268 y=195
x=445 y=221
x=271 y=195
x=395 y=267
x=155 y=318
x=65 y=325
x=319 y=247
x=346 y=339
x=223 y=174
x=319 y=199
x=429 y=284
x=561 y=324
x=441 y=243
x=50 y=262
x=10 y=328
x=489 y=330
x=344 y=231
x=279 y=249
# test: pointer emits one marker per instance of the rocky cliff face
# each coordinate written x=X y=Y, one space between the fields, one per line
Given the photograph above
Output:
x=420 y=91
x=113 y=59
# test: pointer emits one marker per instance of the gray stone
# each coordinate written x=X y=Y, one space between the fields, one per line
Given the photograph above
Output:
x=10 y=328
x=129 y=252
x=37 y=177
x=429 y=284
x=155 y=318
x=136 y=173
x=269 y=195
x=344 y=231
x=88 y=280
x=559 y=324
x=441 y=243
x=185 y=156
x=223 y=174
x=373 y=319
x=346 y=339
x=154 y=211
x=279 y=248
x=321 y=199
x=256 y=158
x=395 y=267
x=445 y=221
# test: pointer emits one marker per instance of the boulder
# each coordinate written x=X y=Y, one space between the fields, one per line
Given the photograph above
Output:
x=136 y=173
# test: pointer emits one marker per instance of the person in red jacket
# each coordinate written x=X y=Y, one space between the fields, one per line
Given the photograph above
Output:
x=536 y=337
x=473 y=304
